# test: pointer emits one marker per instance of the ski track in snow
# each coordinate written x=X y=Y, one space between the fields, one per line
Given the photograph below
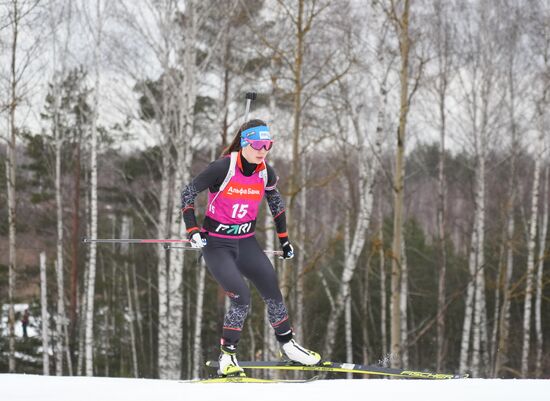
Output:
x=20 y=387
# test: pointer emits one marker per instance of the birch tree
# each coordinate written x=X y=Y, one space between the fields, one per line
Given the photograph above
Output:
x=515 y=90
x=96 y=28
x=542 y=46
x=44 y=316
x=59 y=58
x=398 y=13
x=478 y=82
x=11 y=167
x=539 y=278
x=20 y=14
x=530 y=271
x=442 y=42
x=540 y=151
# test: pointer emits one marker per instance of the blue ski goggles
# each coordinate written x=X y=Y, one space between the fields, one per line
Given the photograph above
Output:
x=259 y=133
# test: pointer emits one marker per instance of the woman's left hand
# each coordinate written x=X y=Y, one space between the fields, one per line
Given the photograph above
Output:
x=288 y=250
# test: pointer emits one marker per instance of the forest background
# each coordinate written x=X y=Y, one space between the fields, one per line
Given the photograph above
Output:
x=411 y=144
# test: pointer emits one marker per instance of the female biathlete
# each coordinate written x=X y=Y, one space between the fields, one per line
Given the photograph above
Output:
x=237 y=183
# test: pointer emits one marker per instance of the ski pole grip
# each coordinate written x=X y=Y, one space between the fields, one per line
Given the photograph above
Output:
x=251 y=95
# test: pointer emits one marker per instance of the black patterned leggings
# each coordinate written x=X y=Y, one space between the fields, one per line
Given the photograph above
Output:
x=228 y=260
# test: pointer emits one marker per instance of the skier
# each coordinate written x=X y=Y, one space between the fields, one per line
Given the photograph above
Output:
x=237 y=183
x=25 y=322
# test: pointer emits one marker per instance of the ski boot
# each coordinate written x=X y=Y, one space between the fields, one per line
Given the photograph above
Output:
x=293 y=352
x=229 y=367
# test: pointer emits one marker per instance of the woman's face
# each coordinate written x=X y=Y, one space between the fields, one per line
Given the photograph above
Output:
x=254 y=156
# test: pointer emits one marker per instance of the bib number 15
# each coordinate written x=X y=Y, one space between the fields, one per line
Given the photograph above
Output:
x=239 y=210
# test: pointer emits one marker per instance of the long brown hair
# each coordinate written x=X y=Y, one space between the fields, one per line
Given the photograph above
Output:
x=235 y=145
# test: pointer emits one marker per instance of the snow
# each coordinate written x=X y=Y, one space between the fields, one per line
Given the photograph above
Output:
x=19 y=387
x=18 y=309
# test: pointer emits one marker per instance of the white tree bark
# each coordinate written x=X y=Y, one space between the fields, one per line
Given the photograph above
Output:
x=383 y=289
x=11 y=168
x=60 y=318
x=199 y=311
x=348 y=331
x=299 y=316
x=162 y=232
x=539 y=283
x=479 y=264
x=347 y=308
x=530 y=272
x=59 y=338
x=502 y=308
x=81 y=362
x=89 y=337
x=404 y=298
x=270 y=348
x=469 y=302
x=182 y=141
x=125 y=232
x=44 y=316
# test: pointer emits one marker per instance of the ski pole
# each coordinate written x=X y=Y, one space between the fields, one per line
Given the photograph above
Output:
x=168 y=246
x=165 y=242
x=133 y=241
x=250 y=97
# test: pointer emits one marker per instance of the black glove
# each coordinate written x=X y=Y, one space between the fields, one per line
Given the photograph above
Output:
x=288 y=251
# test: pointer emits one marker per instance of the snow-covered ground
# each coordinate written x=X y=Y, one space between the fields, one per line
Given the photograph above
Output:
x=17 y=387
x=19 y=309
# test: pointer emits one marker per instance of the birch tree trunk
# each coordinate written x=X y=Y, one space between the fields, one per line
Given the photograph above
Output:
x=299 y=315
x=502 y=308
x=199 y=312
x=347 y=308
x=444 y=60
x=383 y=289
x=44 y=316
x=125 y=232
x=469 y=301
x=181 y=140
x=11 y=168
x=63 y=342
x=365 y=307
x=402 y=27
x=479 y=293
x=162 y=272
x=81 y=362
x=60 y=318
x=59 y=348
x=348 y=331
x=404 y=297
x=89 y=339
x=539 y=283
x=506 y=278
x=270 y=348
x=295 y=170
x=530 y=273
